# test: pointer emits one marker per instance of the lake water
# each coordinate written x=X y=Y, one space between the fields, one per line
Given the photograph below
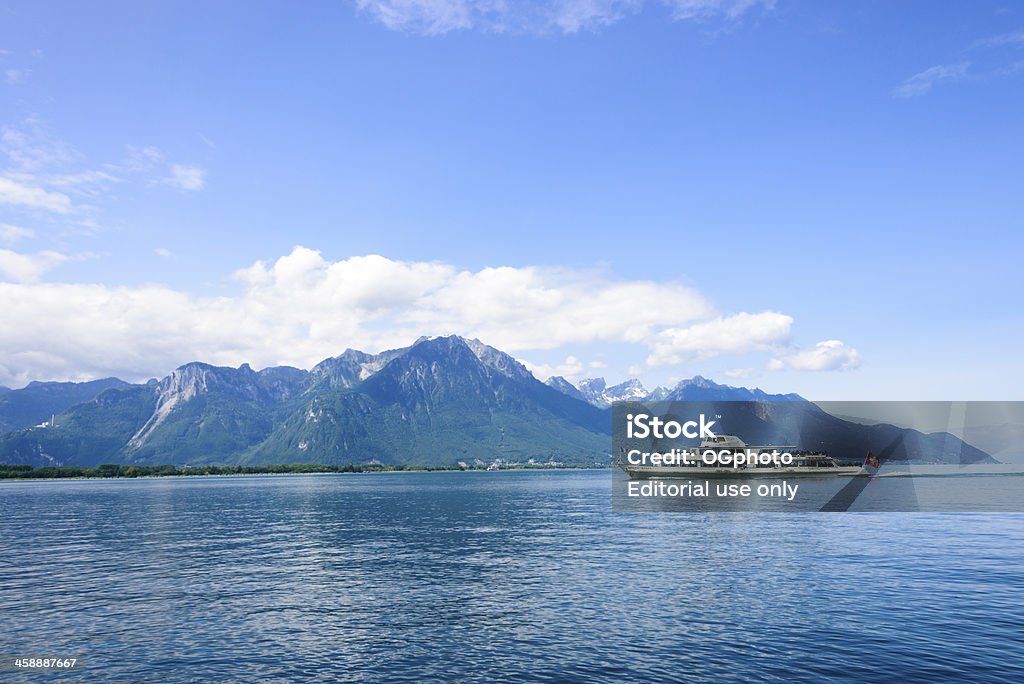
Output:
x=509 y=576
x=936 y=489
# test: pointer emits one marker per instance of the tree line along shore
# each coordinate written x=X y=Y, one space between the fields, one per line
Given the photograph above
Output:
x=108 y=470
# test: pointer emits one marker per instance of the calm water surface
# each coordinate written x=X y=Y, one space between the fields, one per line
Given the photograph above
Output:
x=493 y=577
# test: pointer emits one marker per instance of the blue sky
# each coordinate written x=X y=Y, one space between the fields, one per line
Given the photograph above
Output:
x=766 y=177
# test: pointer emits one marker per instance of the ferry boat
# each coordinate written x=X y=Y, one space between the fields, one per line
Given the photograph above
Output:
x=803 y=463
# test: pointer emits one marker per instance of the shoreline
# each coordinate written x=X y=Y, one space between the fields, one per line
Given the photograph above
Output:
x=369 y=471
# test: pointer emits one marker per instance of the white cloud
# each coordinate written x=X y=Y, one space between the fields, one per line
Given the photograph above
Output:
x=1013 y=38
x=87 y=183
x=10 y=233
x=302 y=308
x=739 y=373
x=572 y=16
x=162 y=252
x=186 y=177
x=27 y=268
x=704 y=9
x=142 y=159
x=46 y=174
x=16 y=76
x=430 y=17
x=14 y=192
x=736 y=334
x=31 y=148
x=824 y=356
x=437 y=17
x=922 y=82
x=570 y=369
x=985 y=51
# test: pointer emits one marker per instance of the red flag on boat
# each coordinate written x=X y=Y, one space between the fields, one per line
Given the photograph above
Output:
x=871 y=460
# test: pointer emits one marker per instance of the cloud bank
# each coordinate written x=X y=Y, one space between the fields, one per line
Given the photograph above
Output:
x=303 y=308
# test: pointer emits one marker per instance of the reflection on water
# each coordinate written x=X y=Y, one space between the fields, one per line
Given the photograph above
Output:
x=498 y=576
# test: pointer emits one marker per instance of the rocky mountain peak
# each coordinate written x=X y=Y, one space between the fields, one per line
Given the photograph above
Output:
x=498 y=360
x=565 y=387
x=699 y=388
x=597 y=392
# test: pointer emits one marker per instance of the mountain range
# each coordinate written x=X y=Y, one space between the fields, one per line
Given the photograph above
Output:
x=597 y=392
x=440 y=400
x=38 y=401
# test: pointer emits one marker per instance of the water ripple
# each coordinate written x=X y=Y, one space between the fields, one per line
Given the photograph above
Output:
x=494 y=577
